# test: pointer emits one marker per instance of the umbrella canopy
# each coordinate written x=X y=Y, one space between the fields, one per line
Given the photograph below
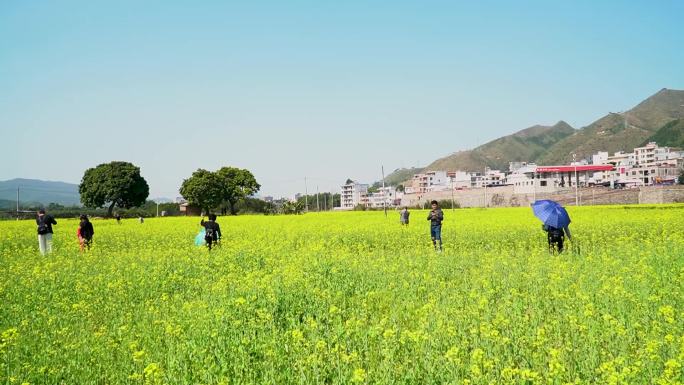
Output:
x=551 y=213
x=199 y=238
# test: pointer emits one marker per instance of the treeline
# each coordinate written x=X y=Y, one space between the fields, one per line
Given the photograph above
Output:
x=324 y=201
x=147 y=209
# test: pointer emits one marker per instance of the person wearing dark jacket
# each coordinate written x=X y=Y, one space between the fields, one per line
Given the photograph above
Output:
x=85 y=233
x=556 y=237
x=212 y=231
x=436 y=216
x=45 y=222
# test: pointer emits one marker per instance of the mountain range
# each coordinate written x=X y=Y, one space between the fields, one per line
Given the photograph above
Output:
x=33 y=192
x=659 y=118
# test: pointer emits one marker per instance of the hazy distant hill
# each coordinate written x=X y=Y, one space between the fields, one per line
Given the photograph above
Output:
x=44 y=192
x=620 y=131
x=524 y=145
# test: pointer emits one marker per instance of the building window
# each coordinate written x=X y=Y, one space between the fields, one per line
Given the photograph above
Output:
x=542 y=183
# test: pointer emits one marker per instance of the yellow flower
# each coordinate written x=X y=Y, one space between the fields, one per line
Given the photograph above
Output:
x=668 y=313
x=138 y=355
x=358 y=376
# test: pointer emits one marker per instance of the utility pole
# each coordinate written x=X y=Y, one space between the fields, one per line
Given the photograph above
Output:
x=452 y=194
x=306 y=197
x=318 y=207
x=17 y=202
x=325 y=202
x=157 y=209
x=574 y=163
x=484 y=179
x=384 y=197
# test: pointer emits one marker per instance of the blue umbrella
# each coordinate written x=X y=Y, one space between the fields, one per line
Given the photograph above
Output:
x=551 y=213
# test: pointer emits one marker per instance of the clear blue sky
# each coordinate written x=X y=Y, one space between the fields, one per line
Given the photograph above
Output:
x=324 y=89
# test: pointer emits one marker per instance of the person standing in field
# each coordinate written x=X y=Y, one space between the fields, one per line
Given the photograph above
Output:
x=212 y=231
x=404 y=216
x=45 y=222
x=85 y=233
x=118 y=218
x=436 y=216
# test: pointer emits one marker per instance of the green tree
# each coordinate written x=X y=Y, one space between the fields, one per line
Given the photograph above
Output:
x=290 y=207
x=238 y=184
x=113 y=184
x=326 y=200
x=375 y=187
x=204 y=189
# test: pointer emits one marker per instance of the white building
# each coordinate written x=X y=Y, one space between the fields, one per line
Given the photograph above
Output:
x=523 y=179
x=428 y=182
x=546 y=179
x=385 y=197
x=646 y=165
x=600 y=158
x=494 y=178
x=466 y=179
x=646 y=154
x=353 y=194
x=475 y=179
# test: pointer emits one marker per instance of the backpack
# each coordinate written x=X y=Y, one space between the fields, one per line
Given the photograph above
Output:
x=42 y=226
x=210 y=233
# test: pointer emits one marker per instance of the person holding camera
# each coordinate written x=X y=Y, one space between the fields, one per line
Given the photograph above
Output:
x=436 y=216
x=45 y=222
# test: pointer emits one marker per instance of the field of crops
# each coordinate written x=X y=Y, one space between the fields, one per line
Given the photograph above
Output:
x=348 y=298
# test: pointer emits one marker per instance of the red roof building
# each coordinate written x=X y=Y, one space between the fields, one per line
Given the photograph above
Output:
x=578 y=168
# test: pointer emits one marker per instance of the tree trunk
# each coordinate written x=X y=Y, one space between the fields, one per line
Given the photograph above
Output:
x=109 y=210
x=233 y=209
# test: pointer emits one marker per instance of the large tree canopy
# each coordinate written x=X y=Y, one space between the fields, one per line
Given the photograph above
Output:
x=203 y=189
x=238 y=184
x=113 y=184
x=227 y=186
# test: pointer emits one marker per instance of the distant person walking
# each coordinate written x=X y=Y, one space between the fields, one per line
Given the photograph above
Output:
x=85 y=233
x=141 y=219
x=436 y=216
x=404 y=216
x=118 y=218
x=45 y=222
x=212 y=231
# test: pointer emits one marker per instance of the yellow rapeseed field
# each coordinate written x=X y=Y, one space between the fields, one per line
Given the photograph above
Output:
x=348 y=298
